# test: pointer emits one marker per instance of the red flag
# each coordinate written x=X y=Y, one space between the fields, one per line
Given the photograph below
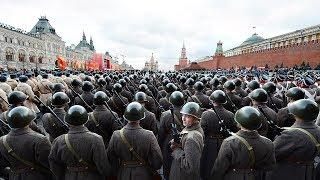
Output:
x=62 y=64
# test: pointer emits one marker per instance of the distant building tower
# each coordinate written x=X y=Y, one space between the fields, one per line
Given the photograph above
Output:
x=151 y=65
x=219 y=50
x=183 y=60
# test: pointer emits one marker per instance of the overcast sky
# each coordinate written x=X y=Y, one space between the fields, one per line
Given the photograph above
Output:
x=137 y=28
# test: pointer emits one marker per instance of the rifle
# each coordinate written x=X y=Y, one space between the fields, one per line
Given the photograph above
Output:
x=187 y=92
x=81 y=98
x=174 y=130
x=273 y=129
x=65 y=127
x=116 y=93
x=272 y=103
x=234 y=107
x=116 y=118
x=4 y=100
x=4 y=128
x=223 y=127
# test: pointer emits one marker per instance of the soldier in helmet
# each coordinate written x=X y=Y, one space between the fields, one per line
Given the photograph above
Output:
x=259 y=99
x=187 y=153
x=252 y=85
x=238 y=90
x=150 y=121
x=79 y=154
x=245 y=155
x=26 y=89
x=125 y=91
x=165 y=135
x=297 y=146
x=213 y=130
x=43 y=88
x=51 y=124
x=133 y=151
x=101 y=121
x=233 y=101
x=15 y=99
x=218 y=99
x=190 y=90
x=165 y=102
x=23 y=150
x=12 y=81
x=273 y=102
x=4 y=86
x=86 y=99
x=162 y=89
x=150 y=104
x=199 y=96
x=118 y=102
x=284 y=118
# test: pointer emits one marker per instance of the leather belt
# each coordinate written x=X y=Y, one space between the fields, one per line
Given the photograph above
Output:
x=21 y=170
x=79 y=168
x=131 y=164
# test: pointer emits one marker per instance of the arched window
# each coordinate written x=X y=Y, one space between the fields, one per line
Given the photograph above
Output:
x=40 y=58
x=9 y=54
x=22 y=55
x=32 y=57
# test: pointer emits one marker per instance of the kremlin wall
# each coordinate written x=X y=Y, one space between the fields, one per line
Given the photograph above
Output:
x=290 y=49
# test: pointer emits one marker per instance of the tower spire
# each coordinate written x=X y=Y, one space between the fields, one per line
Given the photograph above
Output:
x=84 y=37
x=183 y=52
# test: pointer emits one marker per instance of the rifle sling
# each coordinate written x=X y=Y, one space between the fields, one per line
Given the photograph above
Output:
x=249 y=148
x=312 y=138
x=71 y=149
x=23 y=161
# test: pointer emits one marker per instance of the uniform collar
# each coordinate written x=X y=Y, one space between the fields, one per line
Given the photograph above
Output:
x=100 y=108
x=77 y=129
x=59 y=110
x=20 y=131
x=195 y=126
x=302 y=124
x=132 y=127
x=248 y=134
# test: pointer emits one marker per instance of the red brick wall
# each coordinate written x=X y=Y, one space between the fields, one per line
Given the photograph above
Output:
x=289 y=55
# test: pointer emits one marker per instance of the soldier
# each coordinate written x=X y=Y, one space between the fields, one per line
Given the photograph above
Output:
x=79 y=154
x=233 y=101
x=23 y=150
x=51 y=124
x=298 y=145
x=212 y=127
x=259 y=99
x=133 y=151
x=190 y=82
x=43 y=87
x=117 y=102
x=26 y=89
x=246 y=101
x=245 y=155
x=150 y=104
x=125 y=92
x=199 y=96
x=15 y=99
x=284 y=118
x=273 y=102
x=4 y=86
x=165 y=129
x=164 y=102
x=187 y=153
x=86 y=98
x=102 y=121
x=239 y=91
x=12 y=81
x=4 y=105
x=150 y=121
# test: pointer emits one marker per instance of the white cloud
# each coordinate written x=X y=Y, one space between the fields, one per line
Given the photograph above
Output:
x=141 y=27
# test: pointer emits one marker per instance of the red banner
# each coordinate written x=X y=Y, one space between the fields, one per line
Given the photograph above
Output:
x=62 y=64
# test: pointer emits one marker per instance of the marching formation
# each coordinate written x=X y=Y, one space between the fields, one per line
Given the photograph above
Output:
x=217 y=125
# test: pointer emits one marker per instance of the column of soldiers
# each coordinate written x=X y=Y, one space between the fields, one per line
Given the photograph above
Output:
x=152 y=125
